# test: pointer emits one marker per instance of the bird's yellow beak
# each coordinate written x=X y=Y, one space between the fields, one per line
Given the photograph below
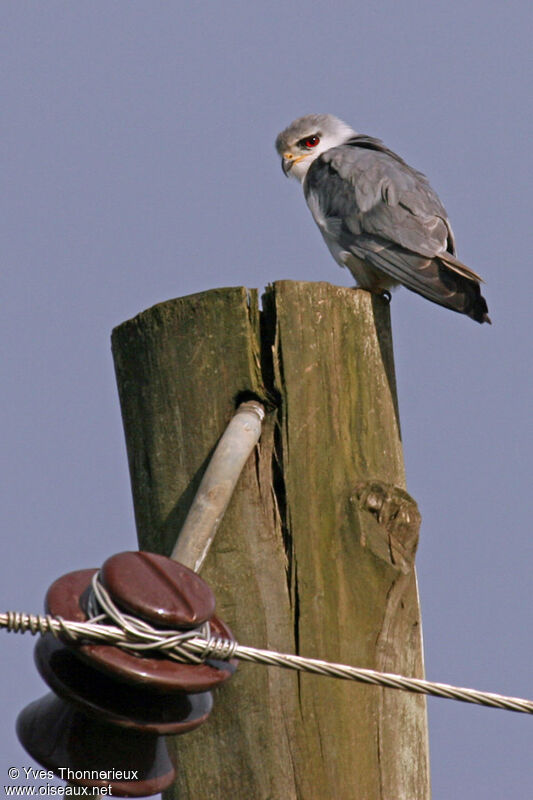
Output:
x=288 y=161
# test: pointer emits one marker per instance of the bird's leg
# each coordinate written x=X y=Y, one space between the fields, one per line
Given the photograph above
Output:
x=384 y=294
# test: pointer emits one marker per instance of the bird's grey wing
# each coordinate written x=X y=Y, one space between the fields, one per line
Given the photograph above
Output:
x=373 y=205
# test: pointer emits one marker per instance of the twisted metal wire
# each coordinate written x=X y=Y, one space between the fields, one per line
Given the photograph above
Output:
x=195 y=646
x=139 y=635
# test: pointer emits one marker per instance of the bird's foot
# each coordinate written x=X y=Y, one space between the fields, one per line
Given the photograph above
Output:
x=384 y=294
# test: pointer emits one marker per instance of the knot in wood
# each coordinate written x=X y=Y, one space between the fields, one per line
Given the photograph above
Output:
x=398 y=519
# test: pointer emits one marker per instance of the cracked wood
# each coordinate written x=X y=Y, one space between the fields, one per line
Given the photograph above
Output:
x=315 y=554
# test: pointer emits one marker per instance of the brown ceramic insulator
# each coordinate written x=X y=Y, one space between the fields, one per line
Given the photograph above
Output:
x=65 y=598
x=157 y=589
x=57 y=735
x=113 y=701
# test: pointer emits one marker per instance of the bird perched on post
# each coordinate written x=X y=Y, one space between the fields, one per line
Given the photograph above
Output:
x=378 y=216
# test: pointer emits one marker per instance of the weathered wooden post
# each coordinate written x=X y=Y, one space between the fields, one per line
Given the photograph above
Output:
x=315 y=554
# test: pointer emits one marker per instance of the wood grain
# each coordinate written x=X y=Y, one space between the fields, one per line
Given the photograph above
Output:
x=315 y=554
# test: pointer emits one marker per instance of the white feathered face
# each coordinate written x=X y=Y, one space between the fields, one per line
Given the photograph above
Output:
x=308 y=137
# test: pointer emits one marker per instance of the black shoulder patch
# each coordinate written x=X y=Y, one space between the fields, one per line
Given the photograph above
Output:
x=369 y=143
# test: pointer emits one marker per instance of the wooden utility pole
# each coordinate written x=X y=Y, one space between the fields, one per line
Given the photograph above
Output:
x=315 y=554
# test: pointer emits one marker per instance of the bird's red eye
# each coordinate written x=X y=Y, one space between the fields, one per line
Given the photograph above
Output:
x=310 y=141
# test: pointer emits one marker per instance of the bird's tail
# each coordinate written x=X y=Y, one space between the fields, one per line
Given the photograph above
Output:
x=462 y=289
x=442 y=279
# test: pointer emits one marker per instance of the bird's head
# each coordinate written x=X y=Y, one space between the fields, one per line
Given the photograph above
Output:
x=308 y=137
